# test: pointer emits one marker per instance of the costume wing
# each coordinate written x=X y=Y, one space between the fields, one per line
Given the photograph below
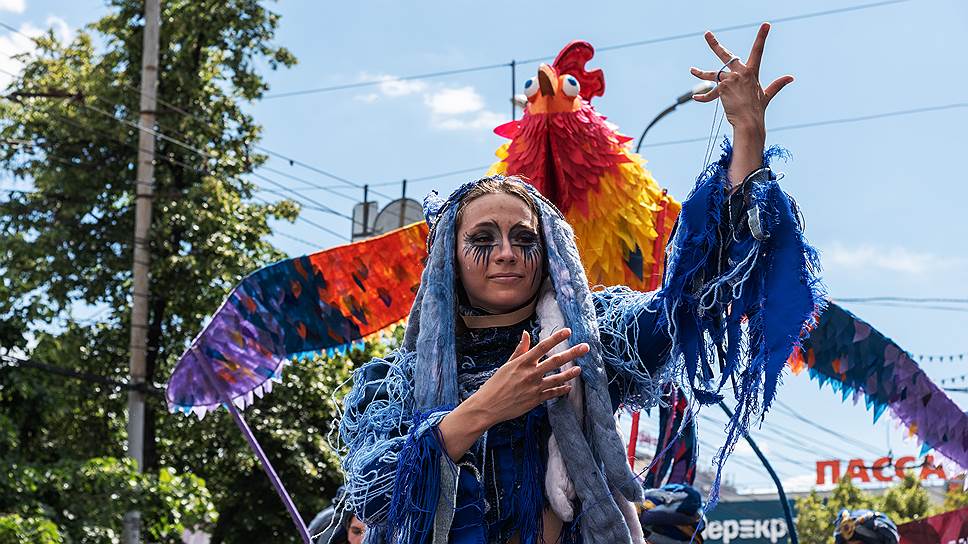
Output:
x=855 y=358
x=320 y=303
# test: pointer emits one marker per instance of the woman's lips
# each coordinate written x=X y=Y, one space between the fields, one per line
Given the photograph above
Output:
x=505 y=278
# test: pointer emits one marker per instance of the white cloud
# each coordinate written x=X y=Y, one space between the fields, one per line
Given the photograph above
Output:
x=13 y=44
x=743 y=448
x=892 y=259
x=16 y=6
x=453 y=108
x=62 y=30
x=367 y=98
x=454 y=101
x=484 y=120
x=802 y=482
x=391 y=86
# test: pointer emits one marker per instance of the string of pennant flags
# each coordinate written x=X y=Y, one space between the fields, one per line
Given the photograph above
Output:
x=954 y=379
x=940 y=358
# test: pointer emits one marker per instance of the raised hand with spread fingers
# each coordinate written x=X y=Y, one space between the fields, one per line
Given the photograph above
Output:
x=744 y=100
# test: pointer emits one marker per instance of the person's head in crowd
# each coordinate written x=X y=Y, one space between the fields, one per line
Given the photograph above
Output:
x=672 y=514
x=864 y=527
x=355 y=530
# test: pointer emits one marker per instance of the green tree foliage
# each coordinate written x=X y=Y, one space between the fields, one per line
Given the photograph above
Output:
x=293 y=424
x=813 y=519
x=955 y=497
x=903 y=502
x=85 y=500
x=906 y=501
x=66 y=258
x=15 y=528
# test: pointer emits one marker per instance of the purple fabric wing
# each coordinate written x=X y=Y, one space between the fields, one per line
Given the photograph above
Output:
x=853 y=358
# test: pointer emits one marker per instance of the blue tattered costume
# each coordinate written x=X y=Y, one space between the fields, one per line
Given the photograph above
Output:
x=740 y=288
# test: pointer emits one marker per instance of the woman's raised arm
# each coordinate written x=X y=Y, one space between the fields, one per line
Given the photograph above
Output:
x=744 y=101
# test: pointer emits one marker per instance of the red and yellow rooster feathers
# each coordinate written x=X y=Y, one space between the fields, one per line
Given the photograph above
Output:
x=582 y=164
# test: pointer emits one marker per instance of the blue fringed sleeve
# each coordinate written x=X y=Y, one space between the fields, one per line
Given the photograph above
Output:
x=634 y=347
x=392 y=456
x=740 y=289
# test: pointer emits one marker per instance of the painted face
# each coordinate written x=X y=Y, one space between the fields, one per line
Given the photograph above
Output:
x=499 y=252
x=356 y=531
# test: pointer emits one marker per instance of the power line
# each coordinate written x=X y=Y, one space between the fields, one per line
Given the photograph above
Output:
x=207 y=156
x=902 y=299
x=842 y=120
x=319 y=205
x=16 y=362
x=372 y=82
x=489 y=67
x=638 y=43
x=164 y=158
x=856 y=443
x=397 y=182
x=917 y=306
x=313 y=223
x=794 y=440
x=732 y=27
x=309 y=184
x=297 y=162
x=945 y=304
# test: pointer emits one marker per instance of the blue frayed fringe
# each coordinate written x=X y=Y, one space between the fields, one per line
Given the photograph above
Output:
x=531 y=501
x=628 y=325
x=380 y=434
x=416 y=488
x=770 y=283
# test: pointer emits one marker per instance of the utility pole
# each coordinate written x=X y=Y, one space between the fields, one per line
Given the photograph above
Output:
x=144 y=188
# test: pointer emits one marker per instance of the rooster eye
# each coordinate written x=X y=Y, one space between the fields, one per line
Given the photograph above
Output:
x=530 y=87
x=570 y=86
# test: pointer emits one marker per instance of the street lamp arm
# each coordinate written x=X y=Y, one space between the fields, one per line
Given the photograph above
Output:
x=665 y=112
x=702 y=88
x=791 y=526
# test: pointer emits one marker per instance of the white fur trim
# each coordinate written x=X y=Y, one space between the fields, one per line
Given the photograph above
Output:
x=631 y=517
x=558 y=486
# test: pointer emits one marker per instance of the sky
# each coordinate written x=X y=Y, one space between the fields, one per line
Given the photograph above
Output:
x=883 y=197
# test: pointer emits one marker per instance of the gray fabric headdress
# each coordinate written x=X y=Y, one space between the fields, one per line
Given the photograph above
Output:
x=593 y=451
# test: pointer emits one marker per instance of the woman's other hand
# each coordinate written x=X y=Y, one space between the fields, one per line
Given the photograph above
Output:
x=522 y=383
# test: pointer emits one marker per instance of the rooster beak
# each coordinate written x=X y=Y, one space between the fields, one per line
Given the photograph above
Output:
x=545 y=76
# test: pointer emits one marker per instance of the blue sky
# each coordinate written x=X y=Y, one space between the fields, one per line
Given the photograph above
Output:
x=884 y=198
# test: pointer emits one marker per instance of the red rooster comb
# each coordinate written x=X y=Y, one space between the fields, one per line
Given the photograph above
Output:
x=572 y=59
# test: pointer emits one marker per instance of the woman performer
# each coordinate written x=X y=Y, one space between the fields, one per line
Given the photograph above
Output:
x=495 y=420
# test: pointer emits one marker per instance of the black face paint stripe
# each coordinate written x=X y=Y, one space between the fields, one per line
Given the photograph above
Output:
x=481 y=254
x=481 y=249
x=530 y=253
